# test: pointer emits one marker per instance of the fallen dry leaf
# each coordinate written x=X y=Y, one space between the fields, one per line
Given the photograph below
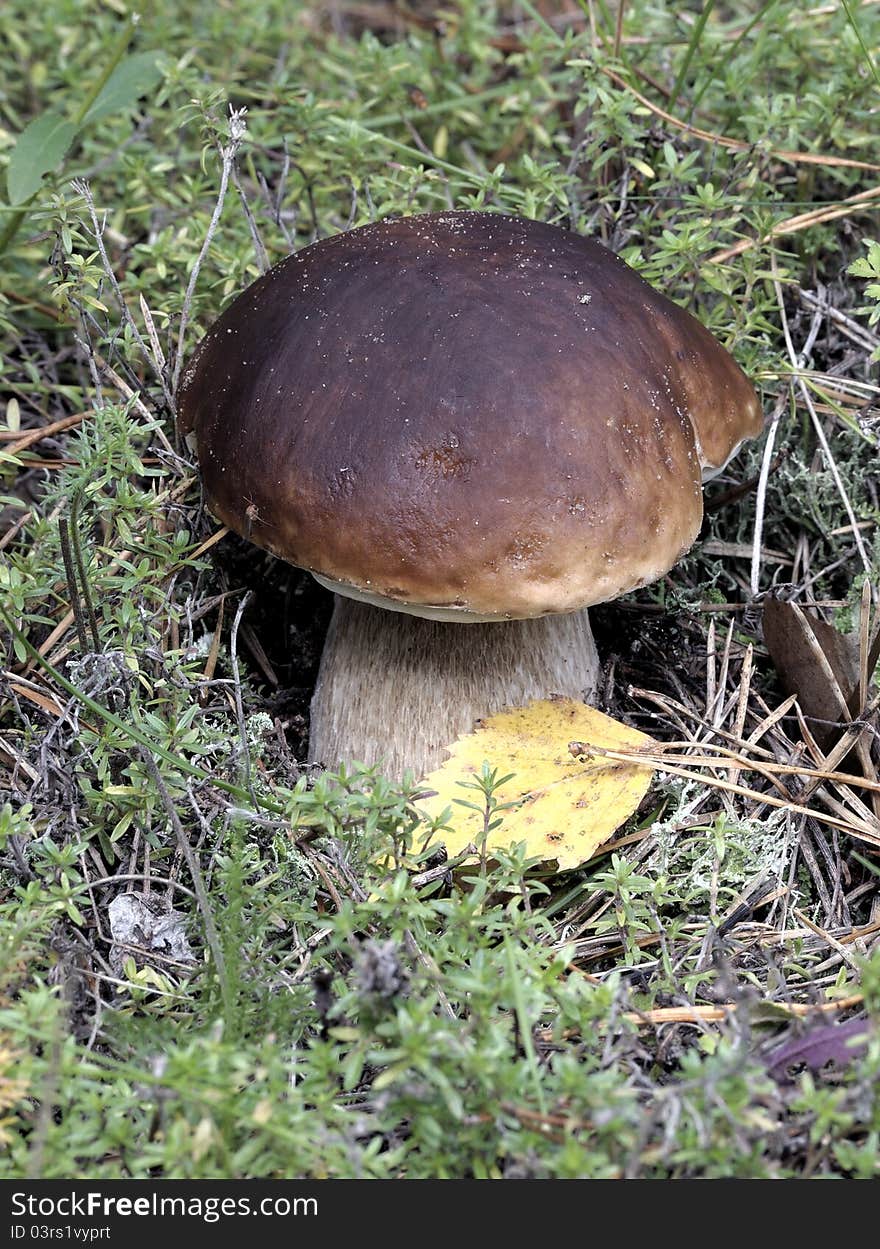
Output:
x=838 y=1043
x=140 y=925
x=568 y=801
x=798 y=643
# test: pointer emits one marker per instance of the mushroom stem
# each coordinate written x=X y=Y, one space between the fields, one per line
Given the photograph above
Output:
x=394 y=689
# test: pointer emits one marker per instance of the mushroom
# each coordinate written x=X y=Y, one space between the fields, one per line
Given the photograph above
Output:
x=459 y=419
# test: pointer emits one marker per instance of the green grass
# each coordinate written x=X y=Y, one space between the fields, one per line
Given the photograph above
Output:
x=348 y=1011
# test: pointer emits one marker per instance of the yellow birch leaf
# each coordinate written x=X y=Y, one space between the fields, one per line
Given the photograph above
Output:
x=568 y=800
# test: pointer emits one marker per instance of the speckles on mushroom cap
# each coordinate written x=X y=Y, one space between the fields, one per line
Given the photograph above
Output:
x=465 y=411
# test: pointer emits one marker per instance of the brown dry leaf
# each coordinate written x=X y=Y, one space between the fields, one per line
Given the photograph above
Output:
x=798 y=643
x=568 y=800
x=48 y=702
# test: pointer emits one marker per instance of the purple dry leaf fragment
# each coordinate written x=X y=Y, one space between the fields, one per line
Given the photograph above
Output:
x=829 y=1043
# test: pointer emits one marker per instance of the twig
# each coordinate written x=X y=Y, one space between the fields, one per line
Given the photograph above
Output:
x=158 y=353
x=826 y=937
x=237 y=131
x=82 y=188
x=791 y=225
x=211 y=934
x=858 y=333
x=711 y=1014
x=215 y=537
x=797 y=367
x=103 y=881
x=618 y=27
x=239 y=706
x=761 y=498
x=740 y=145
x=852 y=828
x=259 y=249
x=21 y=441
x=661 y=752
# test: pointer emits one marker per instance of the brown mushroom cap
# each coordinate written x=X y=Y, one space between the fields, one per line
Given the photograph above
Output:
x=464 y=414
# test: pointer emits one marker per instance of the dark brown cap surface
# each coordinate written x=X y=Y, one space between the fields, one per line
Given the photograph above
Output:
x=465 y=411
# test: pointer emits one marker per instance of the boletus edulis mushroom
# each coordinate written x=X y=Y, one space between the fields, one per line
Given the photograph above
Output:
x=470 y=427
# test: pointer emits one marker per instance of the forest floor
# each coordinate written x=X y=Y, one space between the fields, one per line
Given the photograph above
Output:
x=217 y=960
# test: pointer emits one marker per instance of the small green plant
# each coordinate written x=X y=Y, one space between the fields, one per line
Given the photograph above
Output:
x=489 y=808
x=869 y=267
